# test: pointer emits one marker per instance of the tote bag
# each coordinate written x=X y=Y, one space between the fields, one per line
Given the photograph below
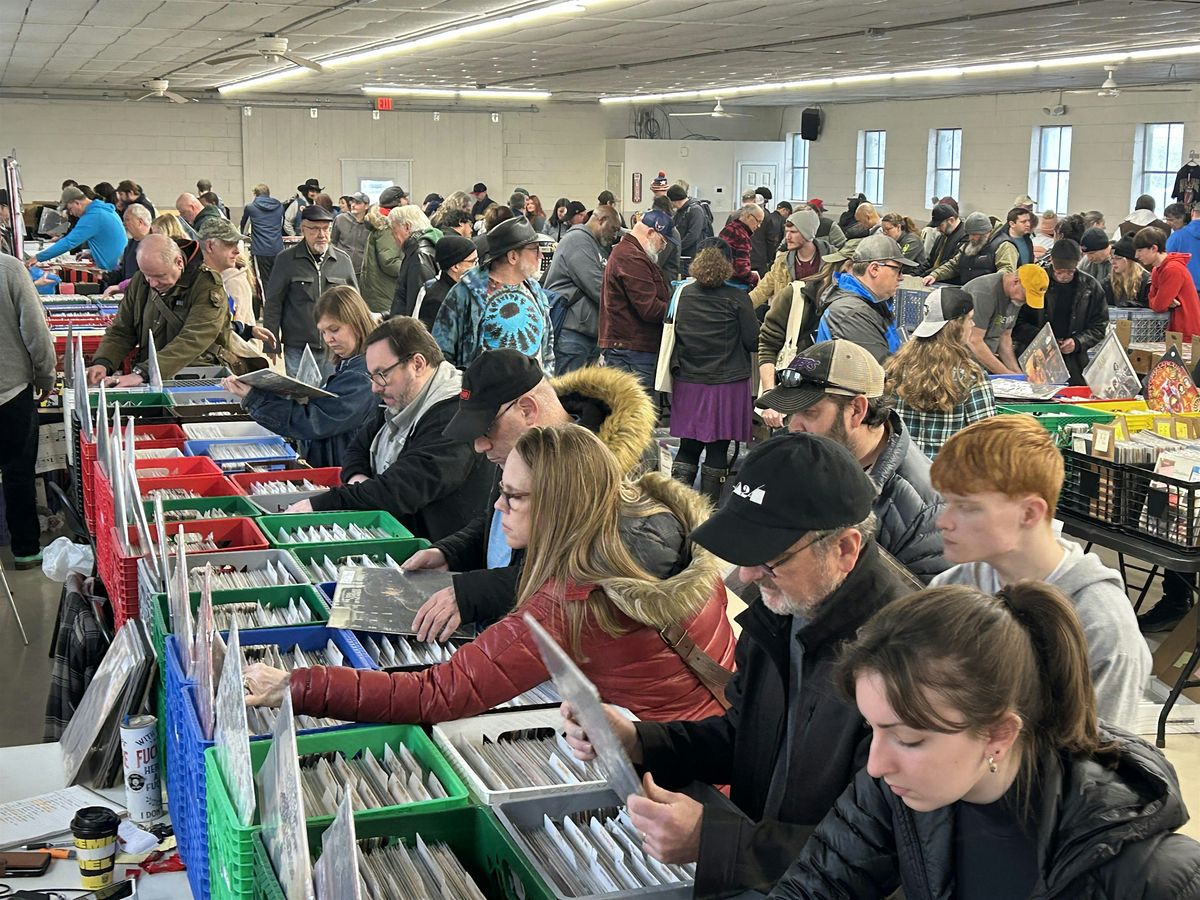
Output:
x=666 y=349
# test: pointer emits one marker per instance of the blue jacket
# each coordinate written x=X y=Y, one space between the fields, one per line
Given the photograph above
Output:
x=101 y=229
x=1187 y=240
x=265 y=215
x=327 y=423
x=854 y=313
x=470 y=321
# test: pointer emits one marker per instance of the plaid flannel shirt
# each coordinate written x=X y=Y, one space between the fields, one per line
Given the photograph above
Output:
x=932 y=429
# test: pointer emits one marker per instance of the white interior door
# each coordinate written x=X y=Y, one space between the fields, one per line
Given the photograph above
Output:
x=372 y=176
x=753 y=175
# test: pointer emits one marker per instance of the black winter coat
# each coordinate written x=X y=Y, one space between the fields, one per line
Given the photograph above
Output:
x=907 y=506
x=420 y=265
x=1102 y=833
x=765 y=240
x=739 y=848
x=434 y=487
x=1089 y=322
x=716 y=333
x=944 y=248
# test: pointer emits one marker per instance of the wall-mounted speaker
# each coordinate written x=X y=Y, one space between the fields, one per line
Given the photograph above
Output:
x=810 y=124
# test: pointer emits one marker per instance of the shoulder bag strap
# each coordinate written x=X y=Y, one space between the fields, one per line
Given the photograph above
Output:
x=711 y=674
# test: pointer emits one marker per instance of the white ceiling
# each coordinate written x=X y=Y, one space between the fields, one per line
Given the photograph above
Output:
x=617 y=47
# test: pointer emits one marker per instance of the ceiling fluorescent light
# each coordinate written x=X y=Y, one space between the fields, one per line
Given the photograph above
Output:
x=406 y=45
x=908 y=74
x=396 y=90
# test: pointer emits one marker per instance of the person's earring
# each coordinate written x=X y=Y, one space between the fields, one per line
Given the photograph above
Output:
x=992 y=767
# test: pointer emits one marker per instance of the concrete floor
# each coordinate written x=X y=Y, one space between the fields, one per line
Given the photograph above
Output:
x=25 y=671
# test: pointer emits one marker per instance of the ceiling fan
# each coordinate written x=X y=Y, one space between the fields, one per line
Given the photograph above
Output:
x=158 y=88
x=272 y=48
x=1110 y=88
x=717 y=112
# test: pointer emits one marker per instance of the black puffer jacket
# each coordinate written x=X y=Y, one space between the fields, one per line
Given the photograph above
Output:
x=743 y=848
x=908 y=506
x=1102 y=833
x=419 y=266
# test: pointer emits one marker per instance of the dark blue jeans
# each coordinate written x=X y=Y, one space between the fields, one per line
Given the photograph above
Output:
x=640 y=363
x=574 y=350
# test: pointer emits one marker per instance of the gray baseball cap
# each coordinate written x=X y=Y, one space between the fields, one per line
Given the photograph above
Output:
x=878 y=247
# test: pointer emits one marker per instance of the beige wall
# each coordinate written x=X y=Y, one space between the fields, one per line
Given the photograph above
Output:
x=165 y=147
x=997 y=132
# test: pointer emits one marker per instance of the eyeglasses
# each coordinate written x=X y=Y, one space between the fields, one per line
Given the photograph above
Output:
x=772 y=568
x=898 y=269
x=383 y=375
x=509 y=496
x=499 y=416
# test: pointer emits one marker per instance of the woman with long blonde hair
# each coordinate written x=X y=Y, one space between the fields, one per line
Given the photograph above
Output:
x=1129 y=284
x=608 y=570
x=939 y=387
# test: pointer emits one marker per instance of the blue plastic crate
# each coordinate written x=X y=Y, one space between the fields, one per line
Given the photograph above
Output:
x=185 y=760
x=281 y=450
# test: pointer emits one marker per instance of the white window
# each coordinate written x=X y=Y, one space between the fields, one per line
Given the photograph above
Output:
x=872 y=148
x=945 y=162
x=1157 y=156
x=799 y=168
x=1050 y=166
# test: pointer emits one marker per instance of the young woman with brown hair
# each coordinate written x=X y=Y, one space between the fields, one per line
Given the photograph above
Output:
x=326 y=423
x=988 y=774
x=938 y=385
x=608 y=566
x=905 y=232
x=1129 y=284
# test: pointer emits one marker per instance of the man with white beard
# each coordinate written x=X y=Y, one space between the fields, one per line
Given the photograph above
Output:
x=634 y=298
x=979 y=228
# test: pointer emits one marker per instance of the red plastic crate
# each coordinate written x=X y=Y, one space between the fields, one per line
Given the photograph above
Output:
x=204 y=485
x=174 y=467
x=229 y=534
x=157 y=437
x=87 y=474
x=330 y=477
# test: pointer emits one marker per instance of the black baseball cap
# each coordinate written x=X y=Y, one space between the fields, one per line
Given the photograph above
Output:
x=495 y=377
x=941 y=213
x=791 y=485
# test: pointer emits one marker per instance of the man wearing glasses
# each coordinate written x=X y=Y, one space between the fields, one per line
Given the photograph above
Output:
x=300 y=275
x=789 y=743
x=835 y=389
x=400 y=461
x=1074 y=306
x=860 y=308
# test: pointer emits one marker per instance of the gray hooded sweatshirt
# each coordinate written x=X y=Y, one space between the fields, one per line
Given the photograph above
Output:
x=1118 y=654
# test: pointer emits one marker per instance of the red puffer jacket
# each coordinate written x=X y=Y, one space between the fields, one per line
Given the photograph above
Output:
x=635 y=669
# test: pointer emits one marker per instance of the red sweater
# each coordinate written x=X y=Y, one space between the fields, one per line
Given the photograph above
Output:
x=636 y=670
x=1171 y=280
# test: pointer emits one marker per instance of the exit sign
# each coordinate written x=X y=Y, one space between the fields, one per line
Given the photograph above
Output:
x=384 y=103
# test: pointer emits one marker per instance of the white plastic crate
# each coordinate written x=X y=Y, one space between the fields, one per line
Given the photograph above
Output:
x=448 y=735
x=215 y=431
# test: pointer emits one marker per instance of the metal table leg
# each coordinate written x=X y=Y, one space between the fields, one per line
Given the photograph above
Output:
x=13 y=602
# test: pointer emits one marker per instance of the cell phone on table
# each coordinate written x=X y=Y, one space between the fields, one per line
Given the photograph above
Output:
x=23 y=864
x=118 y=891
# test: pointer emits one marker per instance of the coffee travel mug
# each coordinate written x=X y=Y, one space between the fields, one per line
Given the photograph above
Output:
x=95 y=831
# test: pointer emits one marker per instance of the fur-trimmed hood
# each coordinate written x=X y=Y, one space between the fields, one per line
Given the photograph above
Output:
x=377 y=218
x=679 y=597
x=613 y=405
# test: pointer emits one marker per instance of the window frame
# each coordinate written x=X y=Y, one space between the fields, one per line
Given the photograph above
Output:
x=1143 y=173
x=793 y=169
x=1060 y=171
x=872 y=176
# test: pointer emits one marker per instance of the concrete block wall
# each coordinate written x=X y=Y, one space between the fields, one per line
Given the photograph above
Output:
x=997 y=134
x=165 y=147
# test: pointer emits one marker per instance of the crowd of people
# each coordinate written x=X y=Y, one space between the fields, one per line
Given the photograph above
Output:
x=931 y=690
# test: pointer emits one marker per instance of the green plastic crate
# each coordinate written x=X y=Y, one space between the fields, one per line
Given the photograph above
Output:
x=276 y=595
x=1054 y=416
x=231 y=506
x=230 y=844
x=473 y=833
x=131 y=398
x=271 y=526
x=399 y=550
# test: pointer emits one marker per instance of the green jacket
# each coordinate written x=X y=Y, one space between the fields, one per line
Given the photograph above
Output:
x=200 y=328
x=380 y=265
